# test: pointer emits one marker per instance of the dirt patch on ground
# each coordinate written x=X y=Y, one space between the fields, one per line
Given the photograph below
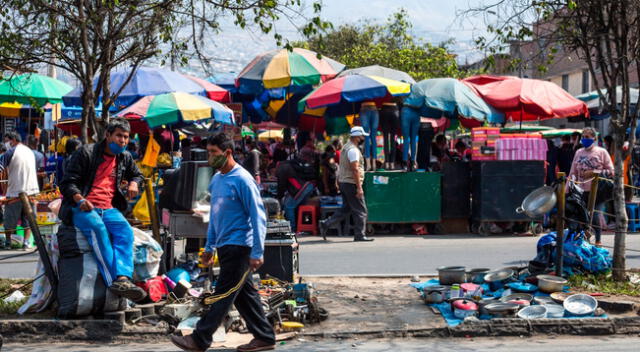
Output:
x=371 y=304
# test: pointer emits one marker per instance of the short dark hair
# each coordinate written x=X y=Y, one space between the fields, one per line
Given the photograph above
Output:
x=566 y=138
x=32 y=141
x=14 y=136
x=118 y=123
x=71 y=145
x=441 y=138
x=461 y=144
x=222 y=141
x=576 y=134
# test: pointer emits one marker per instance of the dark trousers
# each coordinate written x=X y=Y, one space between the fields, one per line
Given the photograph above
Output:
x=425 y=137
x=234 y=263
x=351 y=205
x=389 y=146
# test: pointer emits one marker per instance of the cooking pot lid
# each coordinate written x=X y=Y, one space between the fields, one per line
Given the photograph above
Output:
x=501 y=307
x=469 y=287
x=465 y=305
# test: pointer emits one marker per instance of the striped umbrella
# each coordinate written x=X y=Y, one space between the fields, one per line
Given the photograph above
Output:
x=296 y=69
x=177 y=108
x=214 y=91
x=342 y=93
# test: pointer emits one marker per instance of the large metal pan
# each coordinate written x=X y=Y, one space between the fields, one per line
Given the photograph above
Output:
x=538 y=202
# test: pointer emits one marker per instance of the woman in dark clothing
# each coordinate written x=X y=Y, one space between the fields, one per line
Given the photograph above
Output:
x=329 y=168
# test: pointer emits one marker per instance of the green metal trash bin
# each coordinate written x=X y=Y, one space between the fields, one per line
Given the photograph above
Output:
x=403 y=197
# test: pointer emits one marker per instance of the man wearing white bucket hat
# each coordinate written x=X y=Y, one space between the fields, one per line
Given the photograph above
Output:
x=350 y=179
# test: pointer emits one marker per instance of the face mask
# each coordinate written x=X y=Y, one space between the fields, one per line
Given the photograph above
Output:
x=116 y=148
x=217 y=161
x=587 y=142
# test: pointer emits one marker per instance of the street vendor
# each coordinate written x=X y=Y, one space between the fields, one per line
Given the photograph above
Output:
x=237 y=229
x=350 y=180
x=589 y=161
x=94 y=198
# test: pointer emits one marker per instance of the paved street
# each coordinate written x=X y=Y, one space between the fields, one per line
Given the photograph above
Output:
x=391 y=255
x=562 y=344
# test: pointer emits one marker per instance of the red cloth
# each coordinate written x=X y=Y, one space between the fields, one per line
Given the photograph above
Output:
x=155 y=288
x=104 y=185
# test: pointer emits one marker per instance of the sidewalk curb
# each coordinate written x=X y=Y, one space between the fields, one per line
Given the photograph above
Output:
x=113 y=331
x=501 y=327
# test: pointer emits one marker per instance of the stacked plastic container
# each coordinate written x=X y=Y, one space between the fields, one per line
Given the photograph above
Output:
x=483 y=143
x=520 y=146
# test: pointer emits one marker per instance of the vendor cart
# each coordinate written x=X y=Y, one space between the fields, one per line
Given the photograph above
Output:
x=394 y=197
x=499 y=188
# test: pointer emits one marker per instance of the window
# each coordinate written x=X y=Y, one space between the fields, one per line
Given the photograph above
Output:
x=585 y=81
x=565 y=82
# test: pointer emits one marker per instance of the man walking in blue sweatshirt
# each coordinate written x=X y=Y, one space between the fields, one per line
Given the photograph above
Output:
x=237 y=229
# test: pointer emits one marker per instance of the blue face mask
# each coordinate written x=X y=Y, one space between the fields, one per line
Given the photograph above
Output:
x=587 y=142
x=116 y=148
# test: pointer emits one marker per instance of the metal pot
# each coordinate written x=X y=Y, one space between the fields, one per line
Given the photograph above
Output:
x=482 y=305
x=550 y=283
x=497 y=279
x=502 y=310
x=522 y=299
x=476 y=275
x=538 y=202
x=580 y=304
x=451 y=275
x=463 y=308
x=434 y=294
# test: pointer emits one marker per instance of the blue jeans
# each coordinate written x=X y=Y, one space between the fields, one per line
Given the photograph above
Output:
x=111 y=238
x=410 y=120
x=370 y=120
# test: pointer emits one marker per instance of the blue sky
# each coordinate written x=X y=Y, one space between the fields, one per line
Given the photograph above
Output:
x=433 y=20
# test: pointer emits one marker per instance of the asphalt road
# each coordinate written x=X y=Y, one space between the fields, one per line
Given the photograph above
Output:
x=390 y=255
x=560 y=344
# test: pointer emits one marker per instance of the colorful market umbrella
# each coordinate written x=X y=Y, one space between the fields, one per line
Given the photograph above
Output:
x=271 y=134
x=525 y=128
x=177 y=108
x=523 y=99
x=451 y=98
x=596 y=108
x=146 y=81
x=380 y=71
x=226 y=80
x=554 y=133
x=32 y=89
x=298 y=69
x=342 y=93
x=214 y=92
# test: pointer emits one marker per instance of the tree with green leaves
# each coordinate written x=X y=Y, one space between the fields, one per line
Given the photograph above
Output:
x=602 y=33
x=90 y=38
x=390 y=44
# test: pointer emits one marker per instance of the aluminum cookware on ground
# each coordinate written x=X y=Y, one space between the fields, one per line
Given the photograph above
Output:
x=502 y=310
x=580 y=304
x=435 y=294
x=463 y=308
x=451 y=275
x=533 y=312
x=522 y=299
x=554 y=310
x=543 y=300
x=559 y=297
x=538 y=202
x=476 y=275
x=482 y=305
x=497 y=279
x=551 y=283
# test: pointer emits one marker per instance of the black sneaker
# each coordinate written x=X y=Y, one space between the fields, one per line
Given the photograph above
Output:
x=125 y=288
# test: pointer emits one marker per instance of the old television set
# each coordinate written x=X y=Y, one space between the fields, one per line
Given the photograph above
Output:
x=184 y=186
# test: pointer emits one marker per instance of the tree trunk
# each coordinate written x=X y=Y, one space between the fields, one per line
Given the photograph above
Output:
x=88 y=110
x=619 y=264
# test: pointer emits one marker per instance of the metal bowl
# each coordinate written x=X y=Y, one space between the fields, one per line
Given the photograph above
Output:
x=502 y=310
x=551 y=283
x=543 y=300
x=533 y=312
x=554 y=310
x=580 y=304
x=518 y=297
x=559 y=297
x=538 y=202
x=476 y=275
x=497 y=279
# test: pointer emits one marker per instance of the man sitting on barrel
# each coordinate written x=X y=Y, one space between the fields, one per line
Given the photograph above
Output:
x=96 y=183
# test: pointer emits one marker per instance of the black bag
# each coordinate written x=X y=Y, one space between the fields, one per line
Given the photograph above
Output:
x=605 y=191
x=81 y=289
